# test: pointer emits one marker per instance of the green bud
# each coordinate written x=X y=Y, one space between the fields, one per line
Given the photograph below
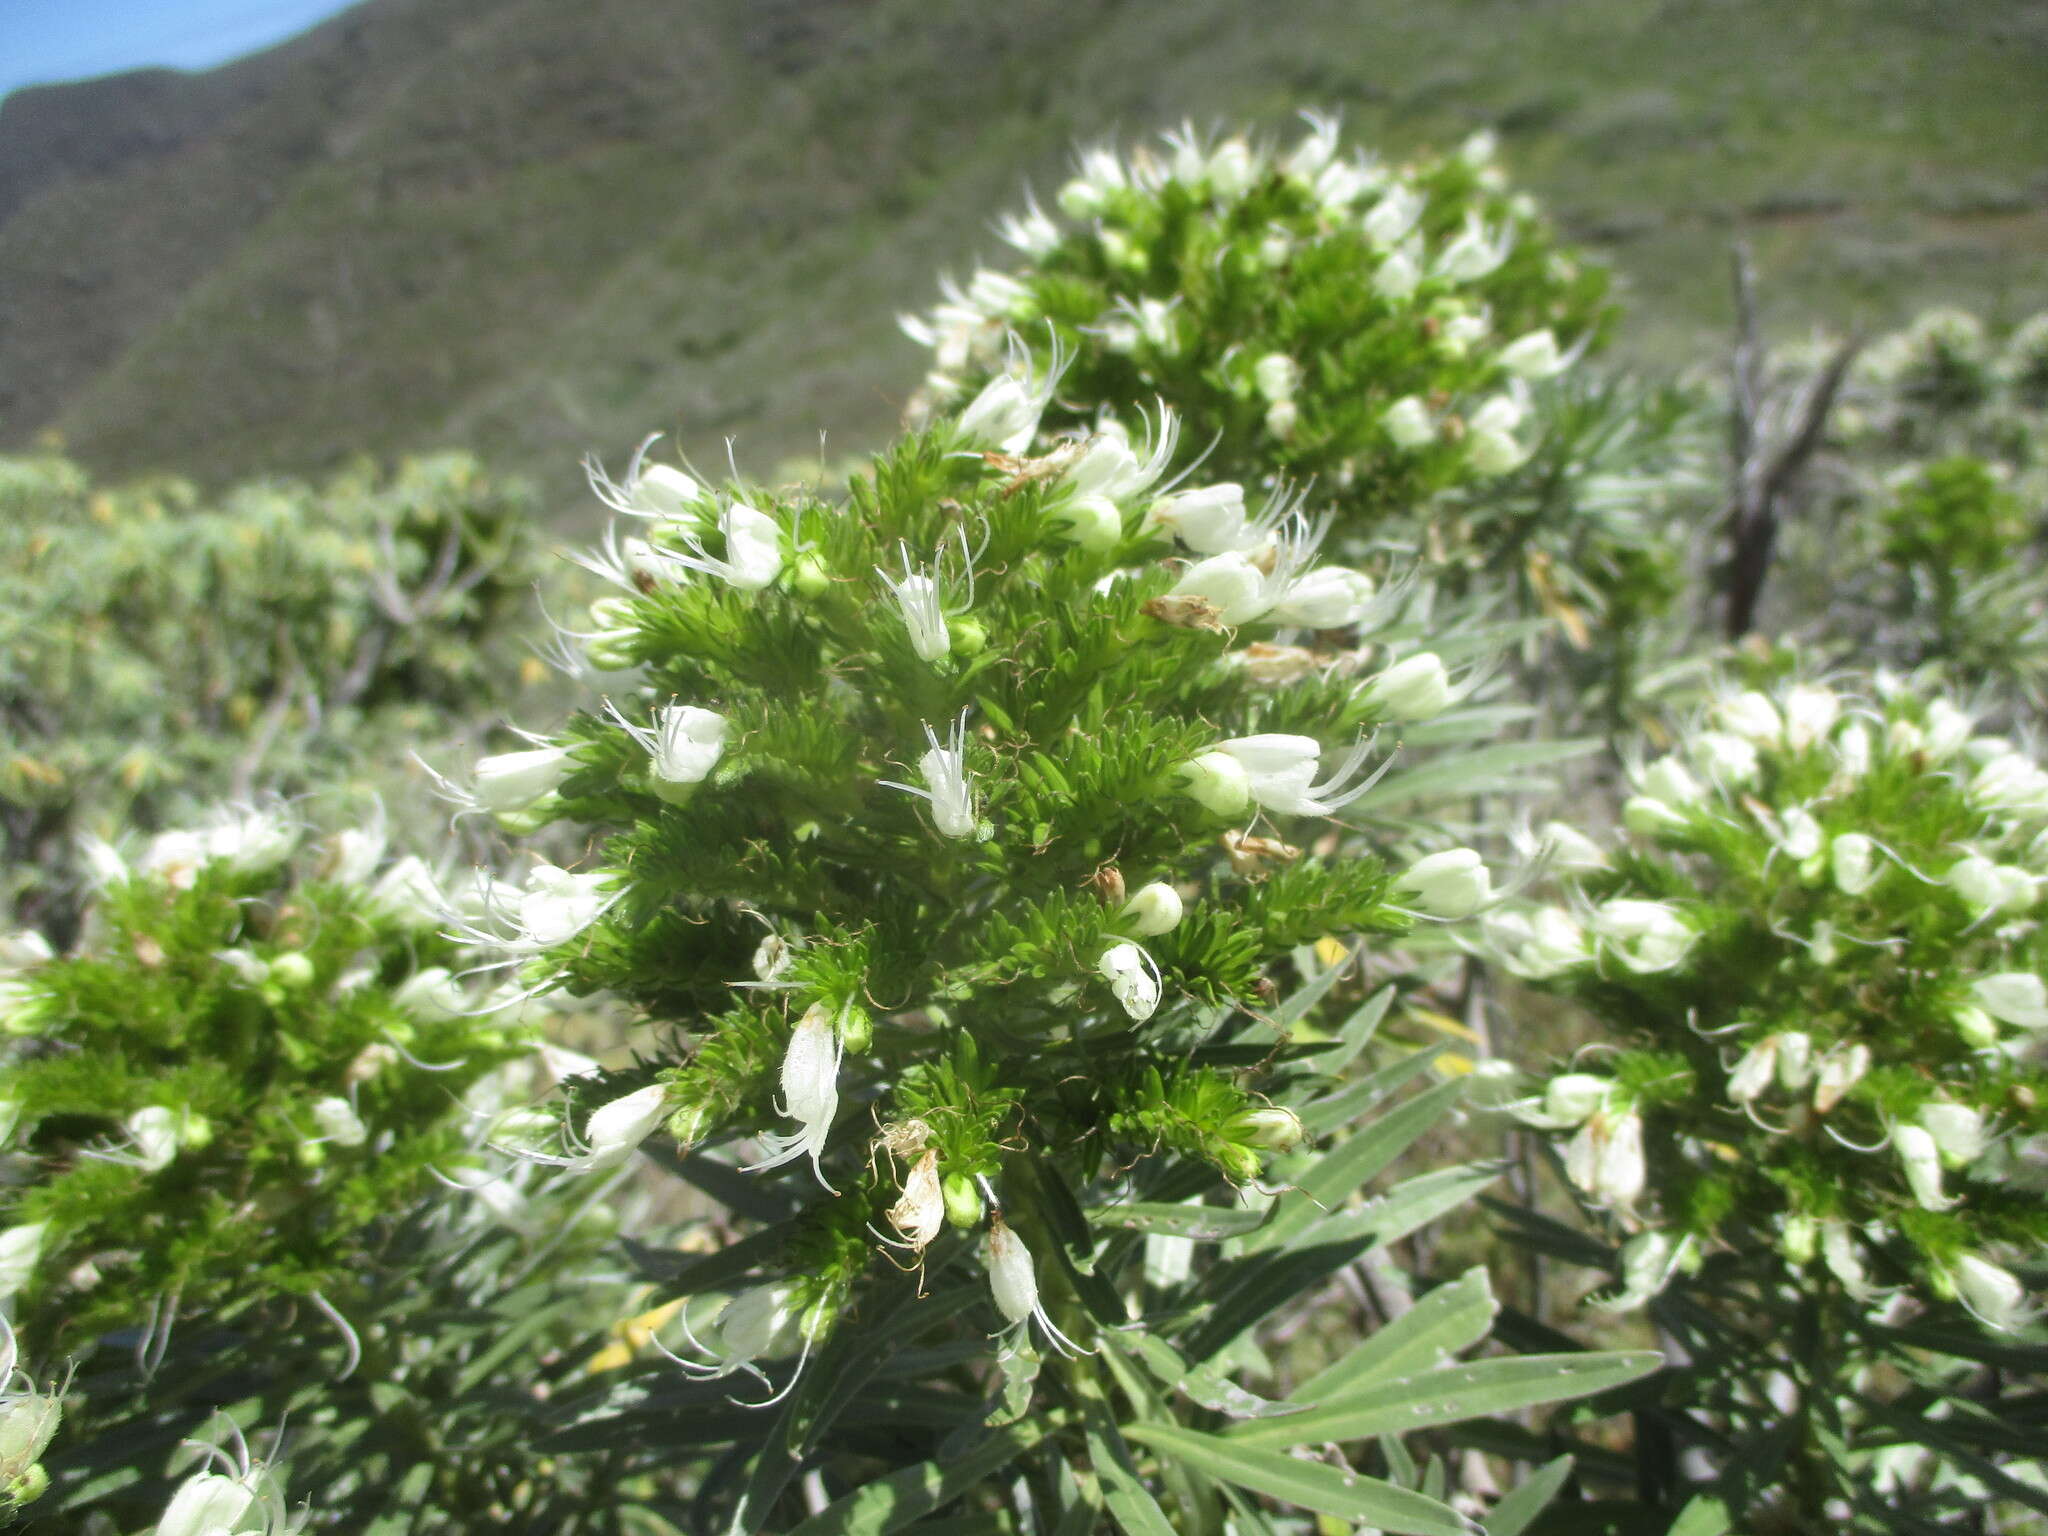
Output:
x=810 y=578
x=963 y=1201
x=25 y=1489
x=856 y=1029
x=968 y=635
x=291 y=970
x=687 y=1125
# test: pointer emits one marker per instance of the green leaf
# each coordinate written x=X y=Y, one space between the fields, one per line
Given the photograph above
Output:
x=1351 y=1163
x=1354 y=1034
x=1703 y=1516
x=1410 y=1204
x=1201 y=1223
x=1341 y=1108
x=1515 y=1513
x=1449 y=1319
x=1305 y=1484
x=1449 y=1396
x=1131 y=1505
x=1499 y=769
x=892 y=1502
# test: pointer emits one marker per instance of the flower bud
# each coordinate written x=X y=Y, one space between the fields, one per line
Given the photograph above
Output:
x=1840 y=1070
x=1492 y=452
x=1276 y=375
x=1274 y=1127
x=1093 y=522
x=1975 y=1027
x=1209 y=520
x=1921 y=1159
x=1799 y=1240
x=1568 y=850
x=1754 y=1072
x=1853 y=857
x=1154 y=910
x=1398 y=277
x=963 y=1201
x=1414 y=688
x=616 y=1128
x=1534 y=356
x=292 y=970
x=1728 y=758
x=28 y=1422
x=1647 y=816
x=1752 y=717
x=1810 y=714
x=1957 y=1129
x=1451 y=884
x=339 y=1122
x=1802 y=837
x=2017 y=998
x=1407 y=422
x=1282 y=417
x=1218 y=782
x=856 y=1028
x=1572 y=1097
x=1993 y=1293
x=508 y=782
x=1231 y=583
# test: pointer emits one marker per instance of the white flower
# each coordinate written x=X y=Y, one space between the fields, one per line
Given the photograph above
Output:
x=1605 y=1159
x=920 y=1214
x=1492 y=452
x=1218 y=782
x=1210 y=520
x=1274 y=1127
x=1802 y=837
x=1451 y=884
x=1648 y=1261
x=810 y=1092
x=1840 y=1070
x=1544 y=943
x=1032 y=233
x=2009 y=782
x=1238 y=590
x=1281 y=773
x=1132 y=977
x=1648 y=936
x=1100 y=175
x=1947 y=729
x=1990 y=887
x=999 y=295
x=1408 y=423
x=1729 y=758
x=1108 y=467
x=1751 y=716
x=103 y=863
x=753 y=550
x=1921 y=1158
x=20 y=1249
x=1328 y=597
x=2017 y=998
x=1014 y=1284
x=1571 y=1098
x=1568 y=850
x=1666 y=780
x=1845 y=1263
x=1810 y=714
x=1231 y=170
x=154 y=1132
x=1455 y=338
x=352 y=855
x=1795 y=1059
x=553 y=908
x=1993 y=1294
x=616 y=1128
x=339 y=1122
x=1534 y=356
x=1646 y=816
x=1094 y=522
x=1414 y=688
x=650 y=490
x=408 y=894
x=1307 y=159
x=1156 y=909
x=1957 y=1129
x=1754 y=1072
x=683 y=745
x=1474 y=253
x=1853 y=857
x=510 y=782
x=1276 y=375
x=771 y=959
x=1398 y=276
x=949 y=787
x=1282 y=417
x=1390 y=219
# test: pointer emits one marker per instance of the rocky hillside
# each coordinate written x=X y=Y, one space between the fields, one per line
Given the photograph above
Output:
x=533 y=228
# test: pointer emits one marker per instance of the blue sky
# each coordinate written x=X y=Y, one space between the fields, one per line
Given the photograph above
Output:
x=42 y=40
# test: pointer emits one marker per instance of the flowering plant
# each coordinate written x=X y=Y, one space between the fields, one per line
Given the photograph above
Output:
x=1823 y=1091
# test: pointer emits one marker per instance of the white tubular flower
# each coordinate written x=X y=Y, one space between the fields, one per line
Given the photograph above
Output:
x=1568 y=850
x=554 y=907
x=2017 y=998
x=1281 y=772
x=1014 y=1284
x=920 y=1215
x=432 y=995
x=1666 y=780
x=210 y=1504
x=1398 y=276
x=1754 y=1072
x=1990 y=887
x=1156 y=909
x=154 y=1133
x=616 y=1128
x=1605 y=1159
x=1840 y=1070
x=1133 y=978
x=949 y=787
x=1921 y=1159
x=1408 y=422
x=1387 y=223
x=1108 y=468
x=1328 y=597
x=1547 y=942
x=1647 y=936
x=1274 y=1127
x=1307 y=159
x=1648 y=1261
x=1236 y=588
x=510 y=782
x=2009 y=782
x=771 y=958
x=1218 y=782
x=1412 y=689
x=351 y=856
x=1282 y=417
x=249 y=968
x=1810 y=714
x=1572 y=1098
x=1992 y=1293
x=1210 y=520
x=683 y=745
x=1838 y=1248
x=810 y=1093
x=1729 y=758
x=999 y=295
x=753 y=550
x=1802 y=837
x=1459 y=333
x=1751 y=716
x=1451 y=885
x=1030 y=232
x=1947 y=729
x=339 y=1123
x=21 y=1248
x=649 y=490
x=1646 y=816
x=408 y=894
x=1795 y=1059
x=1853 y=753
x=1957 y=1129
x=103 y=863
x=1474 y=253
x=1276 y=375
x=1492 y=452
x=1534 y=356
x=1232 y=169
x=1853 y=859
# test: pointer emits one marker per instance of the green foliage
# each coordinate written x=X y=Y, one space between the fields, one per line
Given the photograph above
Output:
x=162 y=651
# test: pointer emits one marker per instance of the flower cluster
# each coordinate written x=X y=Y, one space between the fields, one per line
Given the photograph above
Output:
x=1820 y=955
x=256 y=1054
x=957 y=828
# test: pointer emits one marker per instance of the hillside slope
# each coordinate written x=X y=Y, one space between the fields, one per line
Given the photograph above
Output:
x=535 y=229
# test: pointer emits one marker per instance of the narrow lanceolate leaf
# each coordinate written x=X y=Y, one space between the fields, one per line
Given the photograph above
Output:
x=1131 y=1504
x=1449 y=1319
x=1410 y=1204
x=1515 y=1513
x=1200 y=1223
x=1704 y=1516
x=1306 y=1484
x=1449 y=1396
x=892 y=1502
x=1354 y=1034
x=1341 y=1108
